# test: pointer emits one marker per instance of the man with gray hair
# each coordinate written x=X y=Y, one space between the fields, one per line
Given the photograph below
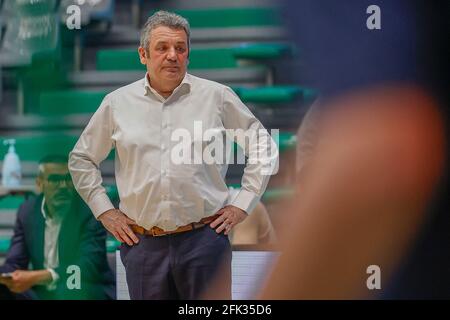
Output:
x=167 y=251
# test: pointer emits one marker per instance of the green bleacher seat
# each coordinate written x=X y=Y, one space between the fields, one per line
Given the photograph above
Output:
x=230 y=17
x=11 y=203
x=34 y=147
x=128 y=59
x=4 y=244
x=269 y=94
x=262 y=51
x=70 y=102
x=118 y=59
x=8 y=209
x=212 y=58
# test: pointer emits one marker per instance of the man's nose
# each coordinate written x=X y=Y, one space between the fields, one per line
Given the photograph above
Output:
x=172 y=55
x=65 y=184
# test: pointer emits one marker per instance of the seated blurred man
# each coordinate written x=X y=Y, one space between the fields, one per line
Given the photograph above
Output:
x=256 y=229
x=56 y=233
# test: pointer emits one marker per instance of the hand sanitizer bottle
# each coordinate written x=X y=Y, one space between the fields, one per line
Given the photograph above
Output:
x=11 y=172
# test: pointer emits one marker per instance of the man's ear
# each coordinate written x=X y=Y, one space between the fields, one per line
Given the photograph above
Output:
x=39 y=185
x=142 y=55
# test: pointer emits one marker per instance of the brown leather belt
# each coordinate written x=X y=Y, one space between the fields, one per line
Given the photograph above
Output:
x=157 y=232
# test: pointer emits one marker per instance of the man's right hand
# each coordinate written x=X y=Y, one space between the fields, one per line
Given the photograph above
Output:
x=117 y=223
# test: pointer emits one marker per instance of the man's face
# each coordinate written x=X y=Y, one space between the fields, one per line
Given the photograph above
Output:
x=167 y=56
x=56 y=184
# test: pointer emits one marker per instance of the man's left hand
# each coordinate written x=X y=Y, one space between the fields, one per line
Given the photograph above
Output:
x=229 y=217
x=21 y=280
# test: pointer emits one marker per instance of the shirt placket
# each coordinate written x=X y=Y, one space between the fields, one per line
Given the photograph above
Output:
x=165 y=163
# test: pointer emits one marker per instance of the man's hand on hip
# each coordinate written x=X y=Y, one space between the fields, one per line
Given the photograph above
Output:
x=229 y=217
x=117 y=223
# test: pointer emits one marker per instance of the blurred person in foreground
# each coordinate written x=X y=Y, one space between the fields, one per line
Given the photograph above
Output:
x=307 y=135
x=375 y=188
x=56 y=233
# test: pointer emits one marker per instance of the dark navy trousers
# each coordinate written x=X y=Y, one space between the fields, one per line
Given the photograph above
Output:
x=177 y=266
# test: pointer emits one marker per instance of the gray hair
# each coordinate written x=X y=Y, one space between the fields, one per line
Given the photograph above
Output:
x=166 y=19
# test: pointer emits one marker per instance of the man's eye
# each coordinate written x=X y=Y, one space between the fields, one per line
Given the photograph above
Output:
x=181 y=49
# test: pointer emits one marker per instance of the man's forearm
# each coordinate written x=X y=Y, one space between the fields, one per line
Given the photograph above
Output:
x=88 y=182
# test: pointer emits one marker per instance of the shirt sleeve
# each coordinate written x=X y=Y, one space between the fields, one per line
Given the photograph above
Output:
x=55 y=277
x=258 y=146
x=91 y=149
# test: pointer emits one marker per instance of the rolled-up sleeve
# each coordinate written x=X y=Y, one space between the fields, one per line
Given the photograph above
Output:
x=259 y=148
x=55 y=277
x=91 y=149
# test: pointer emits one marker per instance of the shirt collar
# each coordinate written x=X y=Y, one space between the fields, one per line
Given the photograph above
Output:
x=185 y=82
x=43 y=208
x=44 y=214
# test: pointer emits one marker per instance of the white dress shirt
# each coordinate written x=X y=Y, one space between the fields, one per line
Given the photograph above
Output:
x=51 y=235
x=154 y=191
